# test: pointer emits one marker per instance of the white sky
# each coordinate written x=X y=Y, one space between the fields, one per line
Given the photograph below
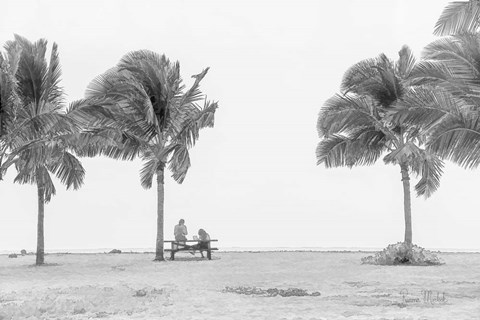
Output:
x=254 y=179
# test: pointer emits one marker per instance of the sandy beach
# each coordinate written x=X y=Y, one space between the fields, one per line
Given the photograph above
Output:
x=131 y=286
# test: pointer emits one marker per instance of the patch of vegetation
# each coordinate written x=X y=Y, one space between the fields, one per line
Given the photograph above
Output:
x=403 y=254
x=271 y=292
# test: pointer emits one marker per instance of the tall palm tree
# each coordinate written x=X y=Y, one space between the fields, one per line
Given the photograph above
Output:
x=366 y=121
x=34 y=136
x=155 y=119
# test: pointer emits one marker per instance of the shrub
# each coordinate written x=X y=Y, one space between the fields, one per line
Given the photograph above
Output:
x=403 y=254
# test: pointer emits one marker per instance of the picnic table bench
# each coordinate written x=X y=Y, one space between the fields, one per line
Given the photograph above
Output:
x=179 y=246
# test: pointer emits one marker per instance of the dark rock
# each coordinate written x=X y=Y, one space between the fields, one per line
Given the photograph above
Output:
x=78 y=310
x=116 y=251
x=140 y=293
x=12 y=255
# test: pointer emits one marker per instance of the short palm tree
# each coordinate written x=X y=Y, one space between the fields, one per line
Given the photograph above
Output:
x=366 y=121
x=33 y=134
x=155 y=119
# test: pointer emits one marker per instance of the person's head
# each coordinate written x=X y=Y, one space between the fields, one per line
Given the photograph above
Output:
x=202 y=233
x=181 y=222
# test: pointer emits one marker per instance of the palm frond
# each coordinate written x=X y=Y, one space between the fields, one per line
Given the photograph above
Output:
x=461 y=56
x=32 y=69
x=458 y=139
x=406 y=62
x=40 y=176
x=428 y=72
x=179 y=163
x=430 y=168
x=118 y=91
x=374 y=78
x=154 y=72
x=45 y=180
x=193 y=94
x=341 y=113
x=192 y=121
x=360 y=75
x=363 y=147
x=458 y=17
x=9 y=95
x=68 y=169
x=148 y=171
x=92 y=113
x=52 y=92
x=425 y=107
x=405 y=153
x=332 y=151
x=41 y=127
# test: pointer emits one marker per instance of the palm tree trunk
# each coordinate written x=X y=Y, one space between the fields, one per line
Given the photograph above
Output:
x=160 y=207
x=41 y=213
x=407 y=208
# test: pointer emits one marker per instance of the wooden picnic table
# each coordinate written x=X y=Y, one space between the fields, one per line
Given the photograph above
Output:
x=179 y=246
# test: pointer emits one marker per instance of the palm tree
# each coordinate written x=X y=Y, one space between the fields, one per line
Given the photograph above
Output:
x=459 y=17
x=155 y=119
x=34 y=134
x=367 y=120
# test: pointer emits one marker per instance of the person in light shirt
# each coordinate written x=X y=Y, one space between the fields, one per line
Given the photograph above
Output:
x=180 y=231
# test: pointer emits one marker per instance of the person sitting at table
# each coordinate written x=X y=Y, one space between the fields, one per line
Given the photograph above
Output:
x=203 y=241
x=180 y=233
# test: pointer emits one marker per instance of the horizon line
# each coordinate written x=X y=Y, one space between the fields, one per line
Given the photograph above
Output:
x=236 y=249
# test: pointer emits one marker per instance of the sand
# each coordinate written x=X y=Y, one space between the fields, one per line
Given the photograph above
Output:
x=132 y=286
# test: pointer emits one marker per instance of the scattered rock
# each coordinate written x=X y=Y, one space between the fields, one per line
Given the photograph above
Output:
x=158 y=291
x=116 y=251
x=119 y=268
x=140 y=293
x=78 y=310
x=23 y=252
x=42 y=310
x=272 y=292
x=101 y=314
x=12 y=255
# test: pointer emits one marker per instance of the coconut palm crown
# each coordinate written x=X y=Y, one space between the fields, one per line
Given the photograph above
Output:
x=156 y=119
x=365 y=121
x=455 y=108
x=10 y=103
x=459 y=17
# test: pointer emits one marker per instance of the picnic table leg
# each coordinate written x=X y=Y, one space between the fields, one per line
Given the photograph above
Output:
x=209 y=252
x=172 y=253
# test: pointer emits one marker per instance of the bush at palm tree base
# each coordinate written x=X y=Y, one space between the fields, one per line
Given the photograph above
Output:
x=402 y=253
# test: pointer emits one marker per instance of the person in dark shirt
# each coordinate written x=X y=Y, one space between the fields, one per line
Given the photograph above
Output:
x=203 y=241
